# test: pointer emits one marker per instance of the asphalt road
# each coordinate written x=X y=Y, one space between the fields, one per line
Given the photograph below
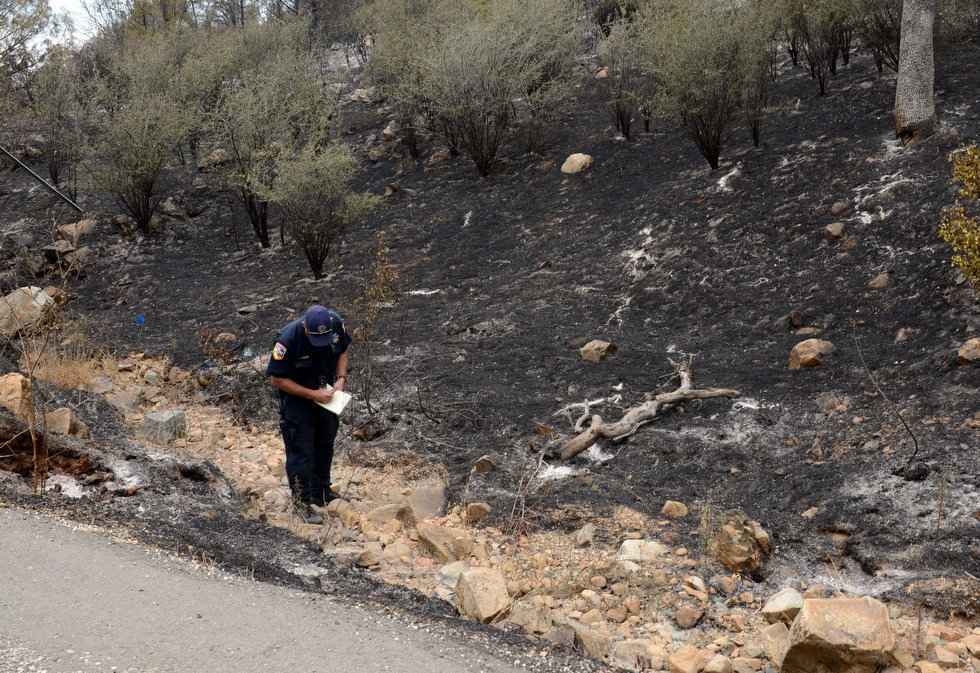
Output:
x=78 y=600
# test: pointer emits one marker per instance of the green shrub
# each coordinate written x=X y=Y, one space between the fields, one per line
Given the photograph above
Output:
x=313 y=191
x=140 y=122
x=270 y=109
x=58 y=109
x=628 y=89
x=472 y=73
x=696 y=55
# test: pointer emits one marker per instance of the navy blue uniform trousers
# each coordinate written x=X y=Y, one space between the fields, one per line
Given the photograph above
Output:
x=308 y=431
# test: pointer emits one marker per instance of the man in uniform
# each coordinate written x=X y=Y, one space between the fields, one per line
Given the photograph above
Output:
x=308 y=363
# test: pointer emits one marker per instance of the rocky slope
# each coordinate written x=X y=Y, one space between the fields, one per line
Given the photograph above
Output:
x=826 y=232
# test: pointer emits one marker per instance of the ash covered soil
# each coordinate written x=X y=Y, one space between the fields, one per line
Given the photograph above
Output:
x=502 y=280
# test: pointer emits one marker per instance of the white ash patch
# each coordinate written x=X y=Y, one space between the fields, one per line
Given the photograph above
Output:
x=725 y=181
x=556 y=472
x=66 y=485
x=594 y=454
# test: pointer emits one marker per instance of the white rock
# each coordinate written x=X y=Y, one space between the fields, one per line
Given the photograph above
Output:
x=23 y=309
x=640 y=551
x=783 y=606
x=576 y=163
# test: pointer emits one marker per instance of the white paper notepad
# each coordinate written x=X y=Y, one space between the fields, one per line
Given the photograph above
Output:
x=337 y=403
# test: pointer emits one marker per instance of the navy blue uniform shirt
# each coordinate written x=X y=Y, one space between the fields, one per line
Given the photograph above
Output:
x=294 y=357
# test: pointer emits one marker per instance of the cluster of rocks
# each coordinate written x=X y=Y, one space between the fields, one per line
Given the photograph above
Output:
x=620 y=589
x=16 y=397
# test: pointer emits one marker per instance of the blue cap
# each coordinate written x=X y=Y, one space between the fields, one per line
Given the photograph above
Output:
x=323 y=326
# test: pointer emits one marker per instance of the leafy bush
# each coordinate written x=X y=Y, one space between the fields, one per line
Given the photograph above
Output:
x=21 y=22
x=131 y=151
x=57 y=107
x=627 y=87
x=271 y=109
x=139 y=124
x=696 y=55
x=959 y=228
x=758 y=28
x=472 y=73
x=313 y=190
x=879 y=26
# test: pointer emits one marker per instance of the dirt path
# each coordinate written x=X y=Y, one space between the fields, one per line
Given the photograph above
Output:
x=75 y=600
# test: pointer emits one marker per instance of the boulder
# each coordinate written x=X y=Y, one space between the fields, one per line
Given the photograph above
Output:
x=881 y=281
x=446 y=544
x=637 y=655
x=593 y=641
x=747 y=665
x=74 y=232
x=972 y=643
x=55 y=252
x=379 y=516
x=640 y=551
x=23 y=309
x=945 y=658
x=278 y=500
x=63 y=421
x=834 y=231
x=484 y=465
x=740 y=545
x=783 y=606
x=390 y=131
x=15 y=395
x=370 y=556
x=427 y=500
x=476 y=512
x=597 y=350
x=718 y=664
x=687 y=616
x=809 y=353
x=59 y=296
x=775 y=640
x=689 y=659
x=79 y=258
x=398 y=551
x=449 y=573
x=969 y=352
x=172 y=209
x=532 y=618
x=481 y=594
x=576 y=163
x=840 y=635
x=585 y=535
x=839 y=208
x=674 y=510
x=928 y=667
x=163 y=427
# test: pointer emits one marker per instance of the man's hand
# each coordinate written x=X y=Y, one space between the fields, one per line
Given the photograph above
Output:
x=322 y=395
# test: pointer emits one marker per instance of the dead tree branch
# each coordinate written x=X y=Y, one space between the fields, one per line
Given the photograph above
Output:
x=642 y=414
x=585 y=406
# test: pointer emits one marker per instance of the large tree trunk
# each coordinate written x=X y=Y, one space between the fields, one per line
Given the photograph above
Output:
x=915 y=107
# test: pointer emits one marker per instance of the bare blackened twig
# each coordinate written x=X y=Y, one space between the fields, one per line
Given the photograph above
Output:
x=898 y=412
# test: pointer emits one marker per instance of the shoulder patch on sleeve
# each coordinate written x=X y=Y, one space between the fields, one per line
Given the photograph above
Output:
x=278 y=351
